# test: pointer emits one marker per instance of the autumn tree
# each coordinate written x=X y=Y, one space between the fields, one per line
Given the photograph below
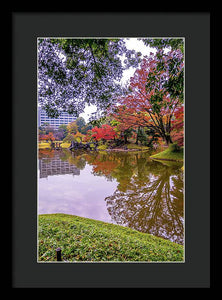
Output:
x=105 y=132
x=69 y=138
x=72 y=128
x=81 y=123
x=127 y=120
x=78 y=137
x=47 y=137
x=123 y=132
x=155 y=93
x=178 y=127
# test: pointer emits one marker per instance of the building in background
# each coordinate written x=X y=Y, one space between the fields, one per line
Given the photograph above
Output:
x=64 y=118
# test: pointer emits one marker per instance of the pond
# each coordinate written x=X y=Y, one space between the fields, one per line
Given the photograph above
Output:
x=125 y=188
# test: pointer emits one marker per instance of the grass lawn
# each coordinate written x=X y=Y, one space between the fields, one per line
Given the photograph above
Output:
x=65 y=145
x=168 y=154
x=82 y=239
x=45 y=145
x=137 y=147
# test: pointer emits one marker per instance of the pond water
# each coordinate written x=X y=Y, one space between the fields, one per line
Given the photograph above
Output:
x=125 y=188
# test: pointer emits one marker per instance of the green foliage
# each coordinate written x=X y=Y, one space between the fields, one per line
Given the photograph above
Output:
x=92 y=145
x=78 y=139
x=69 y=138
x=98 y=122
x=83 y=239
x=80 y=122
x=173 y=43
x=85 y=128
x=142 y=137
x=72 y=128
x=81 y=71
x=127 y=134
x=174 y=147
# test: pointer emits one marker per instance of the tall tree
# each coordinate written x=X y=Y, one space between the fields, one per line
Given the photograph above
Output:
x=80 y=122
x=72 y=128
x=155 y=93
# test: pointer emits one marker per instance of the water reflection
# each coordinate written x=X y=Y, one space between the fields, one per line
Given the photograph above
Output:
x=148 y=195
x=152 y=202
x=56 y=166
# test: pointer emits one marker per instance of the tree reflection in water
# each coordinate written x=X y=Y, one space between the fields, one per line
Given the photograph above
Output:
x=149 y=196
x=151 y=206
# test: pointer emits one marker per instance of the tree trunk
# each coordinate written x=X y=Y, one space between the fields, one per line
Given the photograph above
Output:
x=137 y=139
x=168 y=130
x=168 y=139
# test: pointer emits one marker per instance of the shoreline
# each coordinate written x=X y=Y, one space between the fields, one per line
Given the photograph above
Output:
x=123 y=150
x=165 y=155
x=166 y=159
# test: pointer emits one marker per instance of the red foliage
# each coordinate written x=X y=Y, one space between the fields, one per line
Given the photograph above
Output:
x=105 y=132
x=177 y=132
x=153 y=107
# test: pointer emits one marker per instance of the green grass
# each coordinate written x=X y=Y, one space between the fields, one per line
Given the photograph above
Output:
x=82 y=239
x=168 y=154
x=65 y=145
x=102 y=147
x=138 y=147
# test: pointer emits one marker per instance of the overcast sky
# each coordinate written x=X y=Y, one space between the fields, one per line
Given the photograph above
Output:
x=132 y=44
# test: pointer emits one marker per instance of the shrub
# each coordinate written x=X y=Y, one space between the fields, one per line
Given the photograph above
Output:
x=102 y=147
x=69 y=138
x=92 y=145
x=174 y=147
x=142 y=136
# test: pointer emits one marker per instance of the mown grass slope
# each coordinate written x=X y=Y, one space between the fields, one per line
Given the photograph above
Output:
x=82 y=239
x=169 y=154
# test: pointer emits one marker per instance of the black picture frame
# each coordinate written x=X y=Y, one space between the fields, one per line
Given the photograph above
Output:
x=195 y=28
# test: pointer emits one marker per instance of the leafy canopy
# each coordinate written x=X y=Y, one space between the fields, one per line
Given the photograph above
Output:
x=171 y=43
x=76 y=72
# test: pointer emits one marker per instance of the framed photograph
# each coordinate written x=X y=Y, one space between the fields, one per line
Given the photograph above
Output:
x=108 y=189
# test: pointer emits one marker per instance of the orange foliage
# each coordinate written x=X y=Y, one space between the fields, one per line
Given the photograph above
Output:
x=177 y=132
